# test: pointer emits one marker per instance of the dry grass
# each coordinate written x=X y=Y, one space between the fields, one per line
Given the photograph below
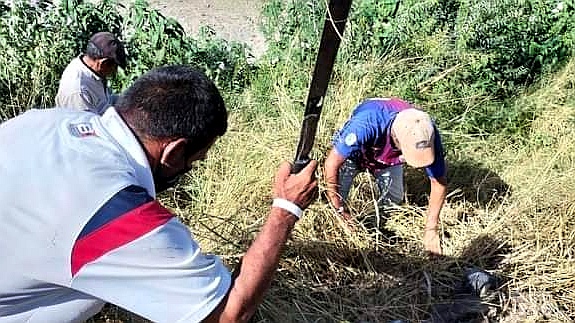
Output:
x=510 y=210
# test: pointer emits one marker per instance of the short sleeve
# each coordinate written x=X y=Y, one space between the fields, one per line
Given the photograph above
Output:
x=79 y=100
x=354 y=134
x=140 y=257
x=437 y=169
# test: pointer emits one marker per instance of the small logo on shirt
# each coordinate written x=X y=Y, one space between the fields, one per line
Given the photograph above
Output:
x=81 y=130
x=350 y=139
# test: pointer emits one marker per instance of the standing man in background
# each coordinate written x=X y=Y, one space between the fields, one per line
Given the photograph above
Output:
x=379 y=137
x=83 y=84
x=81 y=225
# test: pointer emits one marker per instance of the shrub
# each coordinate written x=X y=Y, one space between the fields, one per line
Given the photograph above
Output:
x=38 y=41
x=451 y=55
x=516 y=39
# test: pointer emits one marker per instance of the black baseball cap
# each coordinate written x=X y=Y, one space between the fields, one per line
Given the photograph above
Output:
x=110 y=47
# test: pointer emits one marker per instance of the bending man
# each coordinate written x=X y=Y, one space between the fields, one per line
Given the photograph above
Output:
x=379 y=137
x=84 y=84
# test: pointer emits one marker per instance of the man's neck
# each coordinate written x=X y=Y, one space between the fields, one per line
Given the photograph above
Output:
x=152 y=148
x=92 y=64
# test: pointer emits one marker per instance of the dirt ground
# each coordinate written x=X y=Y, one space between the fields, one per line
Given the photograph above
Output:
x=236 y=20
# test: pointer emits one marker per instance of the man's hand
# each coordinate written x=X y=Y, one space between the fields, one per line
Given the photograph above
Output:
x=347 y=221
x=300 y=188
x=345 y=215
x=255 y=273
x=431 y=241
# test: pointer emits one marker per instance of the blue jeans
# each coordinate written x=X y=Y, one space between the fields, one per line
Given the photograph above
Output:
x=389 y=182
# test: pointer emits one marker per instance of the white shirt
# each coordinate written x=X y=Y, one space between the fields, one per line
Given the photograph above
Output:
x=81 y=88
x=81 y=227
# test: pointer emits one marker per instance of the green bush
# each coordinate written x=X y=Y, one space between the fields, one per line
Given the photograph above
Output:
x=293 y=28
x=450 y=55
x=154 y=40
x=38 y=41
x=516 y=39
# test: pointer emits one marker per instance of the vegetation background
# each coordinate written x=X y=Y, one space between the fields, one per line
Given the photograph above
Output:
x=497 y=75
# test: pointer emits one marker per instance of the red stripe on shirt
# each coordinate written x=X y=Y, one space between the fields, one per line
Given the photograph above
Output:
x=122 y=230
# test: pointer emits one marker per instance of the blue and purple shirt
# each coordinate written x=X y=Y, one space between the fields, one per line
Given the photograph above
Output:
x=366 y=137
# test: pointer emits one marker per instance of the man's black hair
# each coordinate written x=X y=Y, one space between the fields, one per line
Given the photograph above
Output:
x=175 y=102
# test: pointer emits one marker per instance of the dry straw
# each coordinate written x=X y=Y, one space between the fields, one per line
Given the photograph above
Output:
x=510 y=212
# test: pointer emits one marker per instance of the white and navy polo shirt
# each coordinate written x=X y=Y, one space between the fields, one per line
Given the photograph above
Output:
x=81 y=88
x=80 y=226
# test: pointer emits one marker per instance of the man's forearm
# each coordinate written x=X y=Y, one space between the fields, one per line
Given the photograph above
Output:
x=333 y=195
x=332 y=166
x=258 y=267
x=437 y=196
x=431 y=240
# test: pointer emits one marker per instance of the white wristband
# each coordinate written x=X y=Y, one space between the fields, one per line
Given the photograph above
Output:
x=288 y=206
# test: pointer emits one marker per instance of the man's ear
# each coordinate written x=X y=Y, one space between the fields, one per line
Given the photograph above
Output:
x=174 y=153
x=100 y=63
